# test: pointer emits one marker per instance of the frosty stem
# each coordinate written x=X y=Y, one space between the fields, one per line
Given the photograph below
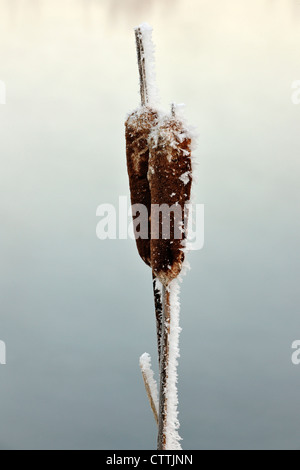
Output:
x=158 y=314
x=164 y=363
x=142 y=67
x=150 y=396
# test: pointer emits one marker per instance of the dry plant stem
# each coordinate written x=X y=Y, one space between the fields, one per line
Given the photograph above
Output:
x=164 y=365
x=159 y=315
x=142 y=68
x=148 y=390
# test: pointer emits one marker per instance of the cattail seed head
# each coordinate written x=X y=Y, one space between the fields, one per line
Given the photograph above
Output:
x=170 y=180
x=137 y=130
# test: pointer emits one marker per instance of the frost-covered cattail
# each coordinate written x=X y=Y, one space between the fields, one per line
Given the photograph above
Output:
x=170 y=181
x=158 y=150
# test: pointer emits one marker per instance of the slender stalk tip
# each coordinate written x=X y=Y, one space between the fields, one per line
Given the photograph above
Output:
x=173 y=109
x=142 y=66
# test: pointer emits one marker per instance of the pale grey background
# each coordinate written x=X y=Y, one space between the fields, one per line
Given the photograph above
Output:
x=76 y=312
